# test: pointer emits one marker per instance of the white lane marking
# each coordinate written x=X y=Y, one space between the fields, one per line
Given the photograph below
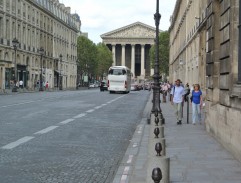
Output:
x=17 y=143
x=109 y=102
x=66 y=121
x=135 y=145
x=123 y=179
x=90 y=111
x=46 y=130
x=98 y=107
x=79 y=116
x=139 y=132
x=130 y=159
x=104 y=104
x=28 y=102
x=126 y=170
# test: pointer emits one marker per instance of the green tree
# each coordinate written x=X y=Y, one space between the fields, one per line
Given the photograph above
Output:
x=163 y=53
x=104 y=58
x=87 y=57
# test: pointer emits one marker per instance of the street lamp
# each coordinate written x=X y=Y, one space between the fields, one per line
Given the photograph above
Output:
x=15 y=46
x=41 y=52
x=156 y=89
x=60 y=76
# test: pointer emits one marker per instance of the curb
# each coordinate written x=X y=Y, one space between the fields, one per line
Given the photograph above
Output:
x=136 y=154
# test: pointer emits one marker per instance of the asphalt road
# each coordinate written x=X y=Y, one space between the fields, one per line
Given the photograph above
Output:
x=66 y=137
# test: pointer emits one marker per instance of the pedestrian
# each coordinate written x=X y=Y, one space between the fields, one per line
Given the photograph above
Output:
x=196 y=104
x=47 y=85
x=177 y=99
x=164 y=92
x=38 y=83
x=17 y=84
x=21 y=84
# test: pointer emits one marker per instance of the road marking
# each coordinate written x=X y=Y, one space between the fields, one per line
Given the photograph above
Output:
x=139 y=132
x=66 y=121
x=109 y=102
x=126 y=170
x=104 y=104
x=90 y=111
x=130 y=159
x=46 y=130
x=123 y=178
x=135 y=145
x=28 y=102
x=17 y=143
x=79 y=116
x=98 y=107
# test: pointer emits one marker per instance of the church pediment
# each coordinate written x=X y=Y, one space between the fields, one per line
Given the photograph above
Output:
x=136 y=30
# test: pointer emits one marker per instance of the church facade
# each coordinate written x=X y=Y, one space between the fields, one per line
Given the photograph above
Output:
x=130 y=46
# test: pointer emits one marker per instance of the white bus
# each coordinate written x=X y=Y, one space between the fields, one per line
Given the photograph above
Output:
x=119 y=79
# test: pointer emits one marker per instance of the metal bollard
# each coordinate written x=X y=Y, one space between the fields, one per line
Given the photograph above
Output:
x=158 y=148
x=156 y=121
x=156 y=132
x=156 y=175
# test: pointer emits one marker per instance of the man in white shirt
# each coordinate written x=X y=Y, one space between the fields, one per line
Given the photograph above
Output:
x=21 y=84
x=177 y=99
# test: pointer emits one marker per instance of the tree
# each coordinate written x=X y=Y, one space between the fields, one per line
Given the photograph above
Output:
x=87 y=54
x=163 y=53
x=104 y=58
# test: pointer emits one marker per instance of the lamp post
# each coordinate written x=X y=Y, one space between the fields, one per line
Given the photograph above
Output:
x=15 y=46
x=41 y=52
x=60 y=76
x=156 y=89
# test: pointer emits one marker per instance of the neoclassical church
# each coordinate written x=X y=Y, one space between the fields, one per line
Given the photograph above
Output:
x=130 y=46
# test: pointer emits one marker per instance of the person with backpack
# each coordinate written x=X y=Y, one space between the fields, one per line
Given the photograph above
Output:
x=177 y=99
x=196 y=100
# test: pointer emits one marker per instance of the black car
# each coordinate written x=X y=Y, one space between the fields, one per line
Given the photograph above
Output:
x=103 y=85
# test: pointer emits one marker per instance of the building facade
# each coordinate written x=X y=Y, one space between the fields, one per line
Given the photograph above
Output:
x=35 y=24
x=130 y=46
x=204 y=48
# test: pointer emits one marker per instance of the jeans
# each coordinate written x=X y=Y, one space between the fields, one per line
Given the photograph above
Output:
x=178 y=111
x=196 y=113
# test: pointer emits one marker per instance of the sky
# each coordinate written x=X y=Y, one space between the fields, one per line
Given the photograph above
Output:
x=102 y=16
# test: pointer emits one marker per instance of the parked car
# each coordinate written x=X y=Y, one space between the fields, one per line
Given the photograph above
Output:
x=134 y=87
x=103 y=85
x=92 y=85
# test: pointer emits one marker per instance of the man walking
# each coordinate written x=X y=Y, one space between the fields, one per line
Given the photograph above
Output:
x=177 y=99
x=21 y=84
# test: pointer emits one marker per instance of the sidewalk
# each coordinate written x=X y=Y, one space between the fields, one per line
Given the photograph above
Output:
x=195 y=156
x=24 y=90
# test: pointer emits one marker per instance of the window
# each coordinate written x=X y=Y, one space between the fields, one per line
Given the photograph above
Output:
x=1 y=2
x=8 y=5
x=117 y=72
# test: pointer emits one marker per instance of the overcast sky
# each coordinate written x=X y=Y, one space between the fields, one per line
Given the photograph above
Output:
x=101 y=16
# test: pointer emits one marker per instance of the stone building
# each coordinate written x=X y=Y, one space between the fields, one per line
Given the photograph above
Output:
x=204 y=49
x=187 y=42
x=38 y=23
x=130 y=46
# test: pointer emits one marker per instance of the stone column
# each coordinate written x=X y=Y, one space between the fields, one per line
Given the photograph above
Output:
x=142 y=60
x=123 y=55
x=4 y=29
x=133 y=59
x=113 y=55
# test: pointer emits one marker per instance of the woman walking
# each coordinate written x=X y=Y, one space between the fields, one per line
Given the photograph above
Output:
x=196 y=104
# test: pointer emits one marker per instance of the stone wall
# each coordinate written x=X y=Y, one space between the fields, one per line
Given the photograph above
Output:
x=223 y=107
